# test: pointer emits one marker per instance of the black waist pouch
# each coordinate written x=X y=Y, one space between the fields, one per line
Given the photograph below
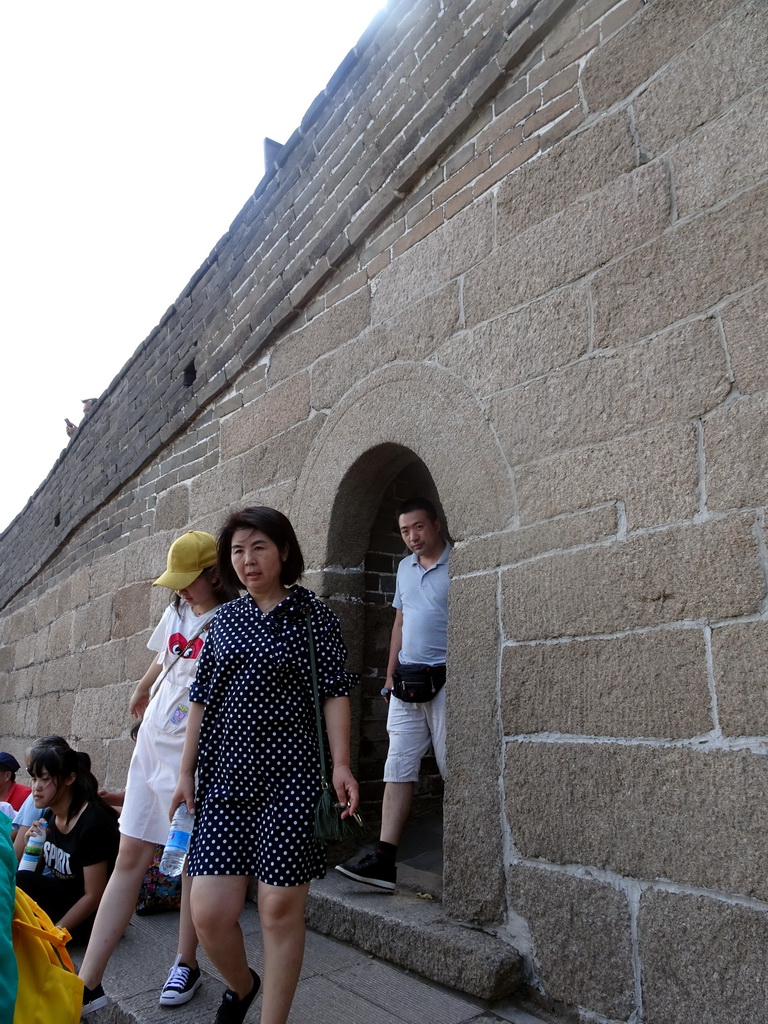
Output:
x=418 y=684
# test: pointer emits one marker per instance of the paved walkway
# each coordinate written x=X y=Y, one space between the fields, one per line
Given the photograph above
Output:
x=339 y=985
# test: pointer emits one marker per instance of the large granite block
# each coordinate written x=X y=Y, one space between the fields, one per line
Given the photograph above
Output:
x=172 y=508
x=695 y=817
x=724 y=157
x=665 y=29
x=100 y=712
x=220 y=487
x=323 y=333
x=108 y=573
x=500 y=549
x=677 y=376
x=653 y=473
x=580 y=164
x=590 y=232
x=59 y=639
x=448 y=251
x=472 y=844
x=414 y=334
x=93 y=623
x=738 y=655
x=130 y=609
x=647 y=580
x=736 y=450
x=518 y=346
x=644 y=684
x=704 y=80
x=745 y=322
x=682 y=274
x=581 y=936
x=703 y=960
x=274 y=412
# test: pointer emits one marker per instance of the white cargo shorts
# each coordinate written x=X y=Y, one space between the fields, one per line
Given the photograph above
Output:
x=412 y=728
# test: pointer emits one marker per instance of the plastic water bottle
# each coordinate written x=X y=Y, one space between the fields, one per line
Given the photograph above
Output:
x=33 y=849
x=172 y=861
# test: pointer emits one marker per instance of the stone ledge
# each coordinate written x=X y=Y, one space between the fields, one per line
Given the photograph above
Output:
x=416 y=934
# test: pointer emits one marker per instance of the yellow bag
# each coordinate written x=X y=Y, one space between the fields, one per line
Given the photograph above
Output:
x=49 y=988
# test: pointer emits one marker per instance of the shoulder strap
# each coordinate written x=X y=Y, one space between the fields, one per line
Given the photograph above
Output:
x=318 y=711
x=181 y=653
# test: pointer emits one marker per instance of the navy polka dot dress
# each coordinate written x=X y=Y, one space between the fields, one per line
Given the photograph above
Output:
x=258 y=766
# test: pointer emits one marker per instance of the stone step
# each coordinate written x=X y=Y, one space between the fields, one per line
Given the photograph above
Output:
x=409 y=928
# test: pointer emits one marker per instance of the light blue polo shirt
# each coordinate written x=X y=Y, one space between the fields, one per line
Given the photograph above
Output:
x=422 y=596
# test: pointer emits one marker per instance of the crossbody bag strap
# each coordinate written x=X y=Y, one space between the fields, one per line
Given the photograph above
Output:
x=318 y=711
x=180 y=655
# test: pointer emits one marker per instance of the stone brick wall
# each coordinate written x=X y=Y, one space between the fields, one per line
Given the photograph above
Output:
x=522 y=245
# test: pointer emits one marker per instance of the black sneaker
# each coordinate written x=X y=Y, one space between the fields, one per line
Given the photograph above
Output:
x=181 y=984
x=373 y=870
x=232 y=1009
x=93 y=999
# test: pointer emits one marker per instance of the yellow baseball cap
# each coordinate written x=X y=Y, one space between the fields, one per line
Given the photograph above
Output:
x=187 y=558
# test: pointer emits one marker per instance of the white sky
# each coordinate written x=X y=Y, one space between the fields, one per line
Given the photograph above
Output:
x=132 y=135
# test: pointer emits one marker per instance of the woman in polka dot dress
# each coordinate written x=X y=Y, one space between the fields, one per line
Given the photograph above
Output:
x=252 y=737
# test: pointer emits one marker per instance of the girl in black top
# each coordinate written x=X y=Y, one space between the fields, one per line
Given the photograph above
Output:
x=81 y=839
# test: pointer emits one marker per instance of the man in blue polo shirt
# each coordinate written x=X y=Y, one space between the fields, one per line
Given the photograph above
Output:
x=415 y=678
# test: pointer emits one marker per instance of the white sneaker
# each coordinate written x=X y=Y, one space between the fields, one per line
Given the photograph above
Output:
x=181 y=984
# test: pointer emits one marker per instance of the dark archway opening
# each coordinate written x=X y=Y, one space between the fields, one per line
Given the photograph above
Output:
x=370 y=493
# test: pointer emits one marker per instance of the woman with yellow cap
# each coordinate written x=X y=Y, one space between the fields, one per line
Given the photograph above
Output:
x=162 y=698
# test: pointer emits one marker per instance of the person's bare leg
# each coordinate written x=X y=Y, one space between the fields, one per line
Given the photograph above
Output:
x=216 y=902
x=116 y=908
x=187 y=935
x=395 y=811
x=281 y=911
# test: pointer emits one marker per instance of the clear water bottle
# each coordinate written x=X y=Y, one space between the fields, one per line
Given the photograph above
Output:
x=172 y=862
x=34 y=848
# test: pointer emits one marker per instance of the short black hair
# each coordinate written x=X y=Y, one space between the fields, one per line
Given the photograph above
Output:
x=417 y=505
x=279 y=530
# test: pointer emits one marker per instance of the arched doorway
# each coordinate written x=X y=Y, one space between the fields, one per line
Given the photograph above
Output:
x=397 y=416
x=360 y=581
x=421 y=849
